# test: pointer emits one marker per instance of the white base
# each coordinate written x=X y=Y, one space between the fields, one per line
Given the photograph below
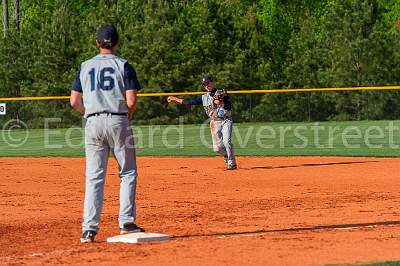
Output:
x=134 y=238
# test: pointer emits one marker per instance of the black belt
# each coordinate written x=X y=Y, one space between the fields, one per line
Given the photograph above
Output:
x=220 y=118
x=107 y=113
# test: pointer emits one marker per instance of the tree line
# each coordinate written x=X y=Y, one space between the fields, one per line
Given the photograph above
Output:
x=244 y=44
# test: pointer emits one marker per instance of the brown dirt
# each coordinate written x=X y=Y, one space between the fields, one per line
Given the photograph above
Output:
x=271 y=211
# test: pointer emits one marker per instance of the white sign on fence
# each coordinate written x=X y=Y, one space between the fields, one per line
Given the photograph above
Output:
x=2 y=108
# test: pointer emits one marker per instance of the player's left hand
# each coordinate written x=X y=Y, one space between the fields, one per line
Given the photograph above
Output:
x=218 y=97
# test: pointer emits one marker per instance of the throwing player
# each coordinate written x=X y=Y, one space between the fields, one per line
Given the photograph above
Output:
x=104 y=91
x=217 y=105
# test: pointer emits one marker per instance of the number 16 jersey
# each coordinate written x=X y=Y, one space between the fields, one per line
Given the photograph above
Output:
x=103 y=80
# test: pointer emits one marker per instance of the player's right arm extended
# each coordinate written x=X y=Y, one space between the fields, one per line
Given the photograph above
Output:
x=131 y=102
x=197 y=100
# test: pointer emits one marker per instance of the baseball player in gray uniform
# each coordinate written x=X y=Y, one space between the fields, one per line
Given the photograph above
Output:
x=104 y=91
x=217 y=105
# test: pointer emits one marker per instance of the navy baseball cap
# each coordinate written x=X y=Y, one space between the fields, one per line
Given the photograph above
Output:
x=206 y=79
x=107 y=34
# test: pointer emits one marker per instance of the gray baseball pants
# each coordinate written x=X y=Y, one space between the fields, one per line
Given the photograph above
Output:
x=105 y=133
x=221 y=132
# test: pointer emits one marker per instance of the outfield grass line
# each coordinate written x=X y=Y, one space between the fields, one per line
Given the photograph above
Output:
x=150 y=155
x=385 y=263
x=245 y=141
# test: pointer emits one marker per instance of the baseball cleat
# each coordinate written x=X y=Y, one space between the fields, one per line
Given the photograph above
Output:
x=128 y=228
x=225 y=159
x=88 y=236
x=232 y=167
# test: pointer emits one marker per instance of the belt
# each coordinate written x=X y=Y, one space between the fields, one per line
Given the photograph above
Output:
x=220 y=118
x=107 y=113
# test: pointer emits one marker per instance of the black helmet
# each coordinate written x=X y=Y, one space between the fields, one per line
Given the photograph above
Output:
x=206 y=79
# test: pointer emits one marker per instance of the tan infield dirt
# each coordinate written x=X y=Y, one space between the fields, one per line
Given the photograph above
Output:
x=271 y=211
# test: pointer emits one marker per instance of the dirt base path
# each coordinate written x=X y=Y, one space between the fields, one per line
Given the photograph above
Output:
x=271 y=211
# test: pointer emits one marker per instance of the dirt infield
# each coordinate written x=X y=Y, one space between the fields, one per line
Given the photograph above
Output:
x=271 y=211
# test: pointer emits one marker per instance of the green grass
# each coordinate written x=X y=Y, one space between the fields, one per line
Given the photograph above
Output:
x=250 y=139
x=387 y=263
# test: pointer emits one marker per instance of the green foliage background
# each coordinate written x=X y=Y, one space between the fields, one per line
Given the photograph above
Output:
x=244 y=44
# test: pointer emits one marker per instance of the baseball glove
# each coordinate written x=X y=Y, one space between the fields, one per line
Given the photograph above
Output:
x=219 y=96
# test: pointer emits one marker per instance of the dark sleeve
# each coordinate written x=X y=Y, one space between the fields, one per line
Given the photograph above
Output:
x=130 y=79
x=76 y=85
x=197 y=100
x=227 y=102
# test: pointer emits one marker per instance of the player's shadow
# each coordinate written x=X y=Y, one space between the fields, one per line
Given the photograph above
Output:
x=295 y=229
x=307 y=165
